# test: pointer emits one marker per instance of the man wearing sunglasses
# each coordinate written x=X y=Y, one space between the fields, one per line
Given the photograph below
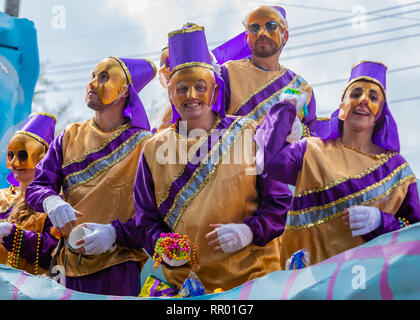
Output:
x=253 y=76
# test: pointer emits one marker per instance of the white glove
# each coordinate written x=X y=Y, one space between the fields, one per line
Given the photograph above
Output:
x=233 y=237
x=100 y=240
x=59 y=211
x=297 y=131
x=300 y=99
x=5 y=229
x=364 y=219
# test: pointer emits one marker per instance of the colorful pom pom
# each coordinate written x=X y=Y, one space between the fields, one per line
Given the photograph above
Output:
x=175 y=247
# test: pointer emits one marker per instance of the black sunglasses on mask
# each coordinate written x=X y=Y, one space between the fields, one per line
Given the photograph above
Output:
x=22 y=155
x=270 y=26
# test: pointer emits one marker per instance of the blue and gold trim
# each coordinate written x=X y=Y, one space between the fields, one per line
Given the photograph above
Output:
x=204 y=172
x=95 y=168
x=313 y=216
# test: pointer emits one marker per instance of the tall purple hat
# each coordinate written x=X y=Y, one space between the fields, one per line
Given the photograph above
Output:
x=237 y=48
x=41 y=127
x=139 y=73
x=188 y=48
x=385 y=134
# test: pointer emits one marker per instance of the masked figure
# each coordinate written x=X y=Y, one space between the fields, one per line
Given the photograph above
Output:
x=255 y=80
x=94 y=162
x=351 y=185
x=27 y=243
x=232 y=216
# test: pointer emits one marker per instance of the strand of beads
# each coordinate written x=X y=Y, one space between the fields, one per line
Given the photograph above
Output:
x=175 y=247
x=193 y=256
x=36 y=263
x=13 y=256
x=404 y=222
x=306 y=132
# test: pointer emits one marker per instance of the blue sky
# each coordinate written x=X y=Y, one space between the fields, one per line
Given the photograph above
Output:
x=74 y=35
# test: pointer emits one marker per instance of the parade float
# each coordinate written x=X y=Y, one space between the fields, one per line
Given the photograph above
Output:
x=19 y=70
x=383 y=268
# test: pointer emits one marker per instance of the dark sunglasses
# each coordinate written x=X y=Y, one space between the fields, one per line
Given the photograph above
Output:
x=22 y=155
x=270 y=26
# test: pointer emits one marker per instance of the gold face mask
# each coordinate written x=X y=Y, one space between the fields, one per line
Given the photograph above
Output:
x=265 y=21
x=24 y=152
x=108 y=81
x=359 y=91
x=192 y=83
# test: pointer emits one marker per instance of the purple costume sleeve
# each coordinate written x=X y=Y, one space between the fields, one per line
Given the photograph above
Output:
x=48 y=176
x=47 y=244
x=269 y=219
x=410 y=210
x=127 y=233
x=280 y=161
x=225 y=76
x=148 y=220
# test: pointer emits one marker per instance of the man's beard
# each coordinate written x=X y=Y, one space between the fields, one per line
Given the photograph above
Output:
x=96 y=105
x=266 y=52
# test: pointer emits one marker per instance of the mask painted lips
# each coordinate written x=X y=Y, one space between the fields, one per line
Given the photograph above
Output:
x=190 y=104
x=262 y=41
x=361 y=112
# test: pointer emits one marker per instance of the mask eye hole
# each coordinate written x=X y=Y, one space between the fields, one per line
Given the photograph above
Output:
x=271 y=25
x=254 y=28
x=10 y=155
x=22 y=155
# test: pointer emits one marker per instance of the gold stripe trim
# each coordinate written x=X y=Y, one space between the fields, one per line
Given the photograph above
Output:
x=103 y=158
x=369 y=61
x=192 y=197
x=194 y=28
x=117 y=134
x=47 y=114
x=189 y=65
x=273 y=95
x=350 y=196
x=376 y=156
x=205 y=160
x=357 y=176
x=282 y=72
x=367 y=202
x=127 y=72
x=323 y=118
x=166 y=194
x=32 y=135
x=201 y=165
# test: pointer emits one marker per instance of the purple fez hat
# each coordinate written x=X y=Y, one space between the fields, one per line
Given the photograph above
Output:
x=188 y=48
x=41 y=127
x=237 y=48
x=385 y=134
x=139 y=73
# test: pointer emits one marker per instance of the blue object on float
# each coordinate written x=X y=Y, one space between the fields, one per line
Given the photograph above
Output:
x=19 y=70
